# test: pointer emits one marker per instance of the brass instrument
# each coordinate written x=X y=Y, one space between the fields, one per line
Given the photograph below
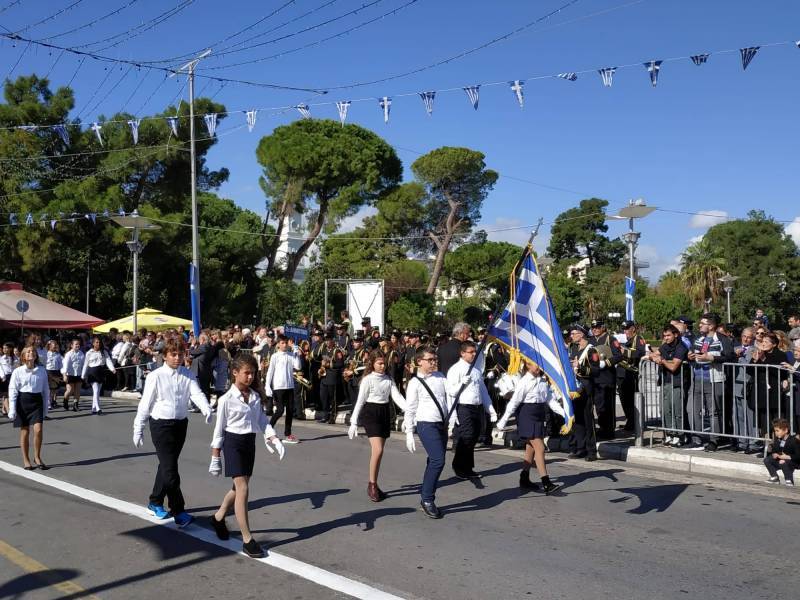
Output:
x=323 y=370
x=298 y=377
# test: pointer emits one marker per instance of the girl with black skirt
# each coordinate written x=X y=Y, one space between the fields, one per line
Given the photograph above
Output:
x=8 y=362
x=29 y=399
x=532 y=396
x=240 y=415
x=71 y=370
x=54 y=365
x=94 y=371
x=373 y=413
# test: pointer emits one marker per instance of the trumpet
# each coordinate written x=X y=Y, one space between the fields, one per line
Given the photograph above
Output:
x=298 y=377
x=323 y=370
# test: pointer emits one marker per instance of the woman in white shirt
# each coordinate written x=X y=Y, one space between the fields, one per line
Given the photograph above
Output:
x=72 y=370
x=95 y=364
x=373 y=413
x=532 y=396
x=8 y=362
x=240 y=415
x=53 y=367
x=29 y=398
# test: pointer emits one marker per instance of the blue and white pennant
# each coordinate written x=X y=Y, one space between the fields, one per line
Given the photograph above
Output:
x=607 y=75
x=653 y=67
x=385 y=103
x=342 y=107
x=747 y=55
x=427 y=100
x=473 y=93
x=211 y=123
x=516 y=87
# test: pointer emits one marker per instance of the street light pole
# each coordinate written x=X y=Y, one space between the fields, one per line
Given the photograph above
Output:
x=727 y=281
x=636 y=209
x=135 y=223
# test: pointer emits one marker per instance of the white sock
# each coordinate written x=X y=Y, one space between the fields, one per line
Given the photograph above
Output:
x=95 y=396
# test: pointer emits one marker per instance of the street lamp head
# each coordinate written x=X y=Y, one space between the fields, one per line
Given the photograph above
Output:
x=727 y=279
x=636 y=209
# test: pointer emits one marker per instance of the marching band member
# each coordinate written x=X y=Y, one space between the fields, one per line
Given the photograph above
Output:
x=427 y=408
x=532 y=397
x=29 y=399
x=373 y=412
x=95 y=364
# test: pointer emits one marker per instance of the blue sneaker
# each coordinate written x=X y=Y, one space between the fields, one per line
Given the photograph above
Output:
x=182 y=519
x=157 y=511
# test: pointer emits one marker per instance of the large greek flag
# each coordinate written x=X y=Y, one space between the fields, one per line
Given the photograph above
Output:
x=529 y=326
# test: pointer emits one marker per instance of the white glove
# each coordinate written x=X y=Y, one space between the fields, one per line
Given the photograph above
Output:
x=404 y=426
x=501 y=424
x=492 y=415
x=490 y=375
x=138 y=439
x=12 y=414
x=412 y=447
x=279 y=447
x=215 y=468
x=465 y=380
x=352 y=433
x=602 y=364
x=209 y=416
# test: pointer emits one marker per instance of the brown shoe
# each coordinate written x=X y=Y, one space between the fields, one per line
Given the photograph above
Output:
x=372 y=492
x=381 y=494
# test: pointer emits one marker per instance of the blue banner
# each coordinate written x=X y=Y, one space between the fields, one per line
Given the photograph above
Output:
x=194 y=292
x=295 y=332
x=630 y=290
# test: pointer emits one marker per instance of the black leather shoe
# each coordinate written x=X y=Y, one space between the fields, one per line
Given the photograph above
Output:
x=220 y=528
x=431 y=510
x=525 y=482
x=576 y=455
x=550 y=487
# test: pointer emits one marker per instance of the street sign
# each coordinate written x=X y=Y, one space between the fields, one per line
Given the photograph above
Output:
x=23 y=306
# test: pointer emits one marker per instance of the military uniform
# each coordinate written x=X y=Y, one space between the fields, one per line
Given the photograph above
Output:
x=633 y=351
x=495 y=366
x=604 y=381
x=583 y=439
x=331 y=379
x=355 y=362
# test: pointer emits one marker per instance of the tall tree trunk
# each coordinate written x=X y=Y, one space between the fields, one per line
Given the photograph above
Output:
x=291 y=197
x=443 y=244
x=293 y=260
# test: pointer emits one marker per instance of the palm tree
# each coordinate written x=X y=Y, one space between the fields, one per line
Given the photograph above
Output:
x=701 y=269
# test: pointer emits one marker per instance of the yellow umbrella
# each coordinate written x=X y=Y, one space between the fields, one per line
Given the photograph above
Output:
x=148 y=318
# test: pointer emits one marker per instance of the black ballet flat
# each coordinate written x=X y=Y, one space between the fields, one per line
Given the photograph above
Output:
x=41 y=466
x=29 y=468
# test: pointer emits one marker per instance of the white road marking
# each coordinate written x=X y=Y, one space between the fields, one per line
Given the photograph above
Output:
x=312 y=573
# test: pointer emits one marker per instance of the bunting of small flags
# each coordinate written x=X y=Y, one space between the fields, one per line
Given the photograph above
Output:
x=211 y=123
x=568 y=76
x=516 y=87
x=134 y=125
x=653 y=67
x=96 y=127
x=427 y=100
x=92 y=217
x=62 y=132
x=342 y=107
x=385 y=103
x=304 y=110
x=251 y=119
x=608 y=75
x=173 y=125
x=797 y=43
x=12 y=219
x=29 y=219
x=747 y=55
x=700 y=59
x=473 y=92
x=28 y=128
x=43 y=218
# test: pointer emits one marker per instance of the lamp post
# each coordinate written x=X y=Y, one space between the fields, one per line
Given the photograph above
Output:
x=135 y=223
x=636 y=209
x=727 y=283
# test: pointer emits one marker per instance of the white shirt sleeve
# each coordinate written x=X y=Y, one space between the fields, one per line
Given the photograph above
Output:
x=268 y=380
x=398 y=398
x=145 y=404
x=412 y=402
x=13 y=392
x=197 y=396
x=219 y=428
x=85 y=366
x=363 y=392
x=519 y=395
x=487 y=401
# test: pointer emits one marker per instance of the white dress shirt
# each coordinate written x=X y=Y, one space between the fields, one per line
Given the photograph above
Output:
x=235 y=415
x=532 y=390
x=116 y=350
x=475 y=393
x=280 y=374
x=377 y=389
x=419 y=404
x=96 y=358
x=7 y=366
x=73 y=363
x=166 y=395
x=54 y=361
x=31 y=381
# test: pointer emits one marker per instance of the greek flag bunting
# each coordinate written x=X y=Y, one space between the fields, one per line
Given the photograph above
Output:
x=516 y=87
x=29 y=219
x=797 y=43
x=473 y=92
x=96 y=127
x=251 y=119
x=747 y=55
x=700 y=59
x=343 y=107
x=385 y=103
x=211 y=123
x=62 y=132
x=173 y=125
x=568 y=76
x=427 y=100
x=304 y=111
x=630 y=290
x=653 y=67
x=529 y=329
x=12 y=219
x=134 y=125
x=608 y=75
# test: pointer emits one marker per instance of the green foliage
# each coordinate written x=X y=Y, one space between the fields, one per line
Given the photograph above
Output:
x=701 y=268
x=468 y=309
x=413 y=310
x=566 y=295
x=277 y=301
x=654 y=311
x=482 y=265
x=402 y=277
x=579 y=233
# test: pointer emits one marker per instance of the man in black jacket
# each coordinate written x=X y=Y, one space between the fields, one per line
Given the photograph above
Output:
x=449 y=353
x=203 y=355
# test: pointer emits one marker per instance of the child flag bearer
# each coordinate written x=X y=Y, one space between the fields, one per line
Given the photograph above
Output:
x=240 y=415
x=165 y=403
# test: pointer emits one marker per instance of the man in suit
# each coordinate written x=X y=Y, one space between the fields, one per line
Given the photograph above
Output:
x=449 y=353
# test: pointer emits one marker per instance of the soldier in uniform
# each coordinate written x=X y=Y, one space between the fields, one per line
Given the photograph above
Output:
x=330 y=374
x=341 y=337
x=582 y=439
x=495 y=366
x=355 y=362
x=315 y=362
x=604 y=379
x=633 y=350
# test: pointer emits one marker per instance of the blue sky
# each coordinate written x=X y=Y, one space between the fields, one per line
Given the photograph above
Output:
x=708 y=138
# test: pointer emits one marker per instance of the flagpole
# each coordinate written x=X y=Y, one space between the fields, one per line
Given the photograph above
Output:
x=526 y=249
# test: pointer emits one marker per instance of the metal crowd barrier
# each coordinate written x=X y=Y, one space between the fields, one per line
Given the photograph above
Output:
x=735 y=404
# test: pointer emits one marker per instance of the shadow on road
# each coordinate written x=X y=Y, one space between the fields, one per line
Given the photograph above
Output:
x=95 y=461
x=317 y=500
x=657 y=498
x=328 y=436
x=19 y=586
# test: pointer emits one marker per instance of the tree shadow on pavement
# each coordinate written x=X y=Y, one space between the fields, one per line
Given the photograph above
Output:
x=317 y=500
x=367 y=518
x=94 y=461
x=24 y=584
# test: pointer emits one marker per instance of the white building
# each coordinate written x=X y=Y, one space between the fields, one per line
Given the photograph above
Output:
x=292 y=236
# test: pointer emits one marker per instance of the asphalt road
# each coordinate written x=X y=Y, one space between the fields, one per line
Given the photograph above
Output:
x=614 y=532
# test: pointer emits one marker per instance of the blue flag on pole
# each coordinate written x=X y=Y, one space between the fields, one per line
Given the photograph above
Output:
x=630 y=290
x=194 y=292
x=528 y=328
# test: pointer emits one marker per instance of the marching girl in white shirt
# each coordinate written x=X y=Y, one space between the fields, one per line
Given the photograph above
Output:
x=95 y=364
x=53 y=367
x=373 y=413
x=532 y=396
x=8 y=362
x=29 y=398
x=240 y=416
x=72 y=370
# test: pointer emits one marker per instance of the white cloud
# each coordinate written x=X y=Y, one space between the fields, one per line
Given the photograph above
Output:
x=793 y=230
x=349 y=224
x=708 y=218
x=695 y=239
x=660 y=263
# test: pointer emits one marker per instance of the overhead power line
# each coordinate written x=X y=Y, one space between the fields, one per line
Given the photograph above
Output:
x=116 y=11
x=50 y=17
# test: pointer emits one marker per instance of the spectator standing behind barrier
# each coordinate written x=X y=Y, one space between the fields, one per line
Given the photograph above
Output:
x=744 y=423
x=794 y=327
x=709 y=351
x=671 y=358
x=768 y=378
x=783 y=454
x=792 y=385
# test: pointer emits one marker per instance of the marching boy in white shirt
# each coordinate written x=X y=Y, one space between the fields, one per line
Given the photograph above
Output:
x=279 y=385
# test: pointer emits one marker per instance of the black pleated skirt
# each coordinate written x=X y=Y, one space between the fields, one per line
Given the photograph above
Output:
x=531 y=421
x=96 y=375
x=376 y=419
x=239 y=451
x=30 y=409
